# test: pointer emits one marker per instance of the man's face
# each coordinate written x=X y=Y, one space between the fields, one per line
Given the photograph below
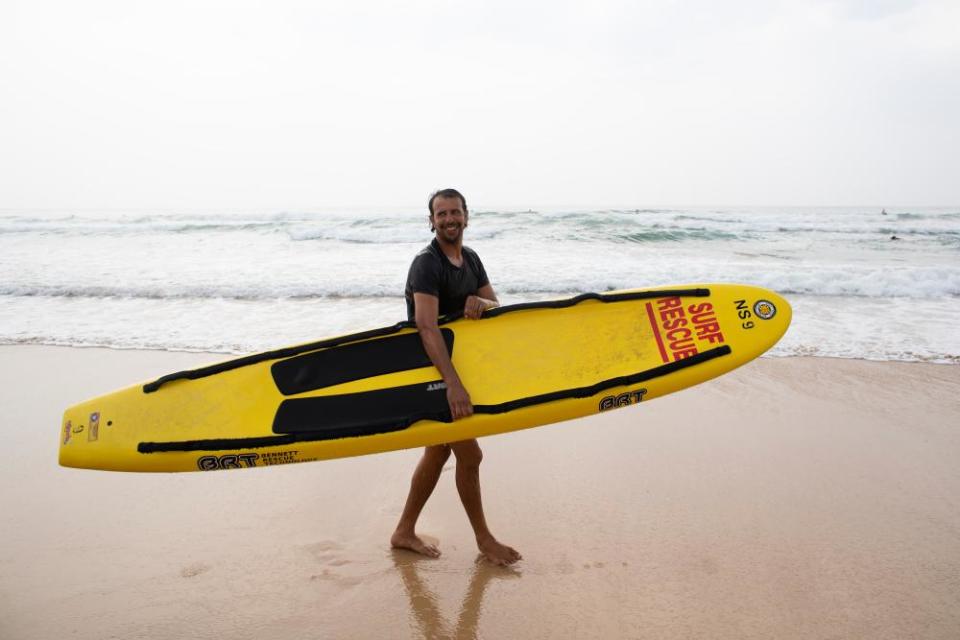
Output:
x=449 y=218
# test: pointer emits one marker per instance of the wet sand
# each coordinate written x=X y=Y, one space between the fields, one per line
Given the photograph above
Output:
x=794 y=498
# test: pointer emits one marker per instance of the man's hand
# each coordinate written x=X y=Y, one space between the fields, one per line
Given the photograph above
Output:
x=459 y=401
x=475 y=306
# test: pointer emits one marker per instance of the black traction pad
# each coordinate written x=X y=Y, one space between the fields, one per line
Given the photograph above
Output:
x=353 y=361
x=364 y=413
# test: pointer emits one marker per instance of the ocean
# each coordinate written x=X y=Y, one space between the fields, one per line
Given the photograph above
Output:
x=863 y=283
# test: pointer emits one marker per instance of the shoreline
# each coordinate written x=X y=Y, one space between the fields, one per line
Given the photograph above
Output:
x=949 y=361
x=796 y=497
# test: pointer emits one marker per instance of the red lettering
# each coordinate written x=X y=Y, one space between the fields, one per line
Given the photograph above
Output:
x=676 y=312
x=683 y=326
x=704 y=329
x=681 y=343
x=705 y=321
x=673 y=324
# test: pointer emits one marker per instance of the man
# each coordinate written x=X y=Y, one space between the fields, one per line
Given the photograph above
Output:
x=446 y=277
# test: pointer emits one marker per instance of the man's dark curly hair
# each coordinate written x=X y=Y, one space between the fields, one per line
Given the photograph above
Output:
x=446 y=193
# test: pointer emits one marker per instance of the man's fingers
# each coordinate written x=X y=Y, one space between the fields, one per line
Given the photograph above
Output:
x=473 y=308
x=459 y=401
x=461 y=410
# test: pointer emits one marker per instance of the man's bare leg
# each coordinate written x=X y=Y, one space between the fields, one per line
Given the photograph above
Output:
x=469 y=456
x=421 y=486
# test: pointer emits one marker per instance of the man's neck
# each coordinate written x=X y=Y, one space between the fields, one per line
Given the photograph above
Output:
x=453 y=250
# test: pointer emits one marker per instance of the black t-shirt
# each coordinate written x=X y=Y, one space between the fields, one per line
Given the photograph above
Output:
x=433 y=273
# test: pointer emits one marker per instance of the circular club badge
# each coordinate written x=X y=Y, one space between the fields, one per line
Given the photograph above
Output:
x=764 y=309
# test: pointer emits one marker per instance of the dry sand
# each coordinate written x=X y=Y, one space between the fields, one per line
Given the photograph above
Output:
x=794 y=498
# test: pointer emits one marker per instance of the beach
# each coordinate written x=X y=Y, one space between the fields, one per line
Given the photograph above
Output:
x=286 y=185
x=793 y=498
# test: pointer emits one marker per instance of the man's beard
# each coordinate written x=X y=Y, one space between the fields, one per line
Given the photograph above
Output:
x=452 y=233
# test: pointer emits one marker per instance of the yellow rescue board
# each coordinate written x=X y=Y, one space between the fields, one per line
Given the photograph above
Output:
x=524 y=366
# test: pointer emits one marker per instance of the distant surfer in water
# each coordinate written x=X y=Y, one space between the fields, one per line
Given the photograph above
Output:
x=446 y=277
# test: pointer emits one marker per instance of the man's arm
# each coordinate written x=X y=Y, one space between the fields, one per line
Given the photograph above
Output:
x=426 y=309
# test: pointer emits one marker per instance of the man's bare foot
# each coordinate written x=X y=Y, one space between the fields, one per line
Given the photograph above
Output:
x=412 y=542
x=497 y=553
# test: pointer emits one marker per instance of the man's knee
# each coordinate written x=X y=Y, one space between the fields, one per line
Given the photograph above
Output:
x=437 y=454
x=468 y=453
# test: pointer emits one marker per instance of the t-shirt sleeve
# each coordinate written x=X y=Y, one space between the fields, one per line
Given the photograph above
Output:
x=424 y=276
x=482 y=279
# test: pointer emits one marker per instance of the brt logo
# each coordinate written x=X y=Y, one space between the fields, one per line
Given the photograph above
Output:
x=230 y=461
x=622 y=400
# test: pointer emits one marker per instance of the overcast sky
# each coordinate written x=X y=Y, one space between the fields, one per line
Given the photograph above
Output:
x=283 y=104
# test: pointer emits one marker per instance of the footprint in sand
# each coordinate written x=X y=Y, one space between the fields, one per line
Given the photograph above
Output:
x=331 y=555
x=193 y=570
x=323 y=548
x=343 y=581
x=327 y=552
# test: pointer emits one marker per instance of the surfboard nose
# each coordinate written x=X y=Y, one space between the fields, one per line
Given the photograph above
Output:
x=769 y=312
x=776 y=310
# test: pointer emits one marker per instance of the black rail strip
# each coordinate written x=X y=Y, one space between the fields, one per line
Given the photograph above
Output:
x=444 y=416
x=586 y=392
x=203 y=372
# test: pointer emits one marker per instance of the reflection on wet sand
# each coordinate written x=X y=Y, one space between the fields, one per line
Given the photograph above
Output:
x=424 y=608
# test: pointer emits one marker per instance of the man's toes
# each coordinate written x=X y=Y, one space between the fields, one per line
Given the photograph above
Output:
x=426 y=549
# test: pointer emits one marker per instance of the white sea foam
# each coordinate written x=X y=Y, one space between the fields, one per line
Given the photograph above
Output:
x=155 y=279
x=881 y=282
